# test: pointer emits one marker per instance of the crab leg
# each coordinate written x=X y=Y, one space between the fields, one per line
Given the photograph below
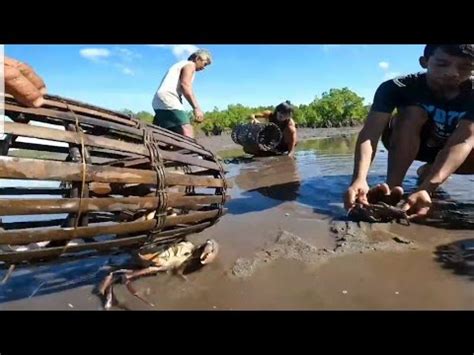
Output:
x=134 y=292
x=106 y=287
x=135 y=274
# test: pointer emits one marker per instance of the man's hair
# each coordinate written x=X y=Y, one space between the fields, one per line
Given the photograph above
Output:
x=458 y=50
x=285 y=108
x=201 y=53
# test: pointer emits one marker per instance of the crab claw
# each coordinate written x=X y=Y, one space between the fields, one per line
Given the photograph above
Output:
x=210 y=251
x=106 y=287
x=135 y=293
x=109 y=298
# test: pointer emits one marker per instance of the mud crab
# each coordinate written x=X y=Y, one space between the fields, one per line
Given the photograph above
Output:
x=181 y=258
x=377 y=212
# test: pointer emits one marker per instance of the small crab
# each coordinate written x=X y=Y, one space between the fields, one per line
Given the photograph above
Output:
x=180 y=258
x=377 y=212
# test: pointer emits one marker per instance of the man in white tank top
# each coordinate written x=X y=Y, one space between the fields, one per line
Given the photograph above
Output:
x=168 y=100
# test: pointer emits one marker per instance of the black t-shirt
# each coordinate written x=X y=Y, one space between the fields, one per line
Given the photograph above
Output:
x=412 y=90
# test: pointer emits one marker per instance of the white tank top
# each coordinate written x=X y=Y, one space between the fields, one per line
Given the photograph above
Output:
x=169 y=95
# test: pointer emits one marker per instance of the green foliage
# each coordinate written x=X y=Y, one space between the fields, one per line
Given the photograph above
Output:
x=340 y=107
x=145 y=116
x=336 y=108
x=142 y=115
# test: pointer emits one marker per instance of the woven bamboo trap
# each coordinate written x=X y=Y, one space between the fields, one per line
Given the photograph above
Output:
x=76 y=179
x=257 y=137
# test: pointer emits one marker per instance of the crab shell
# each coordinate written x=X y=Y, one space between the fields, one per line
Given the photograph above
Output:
x=171 y=258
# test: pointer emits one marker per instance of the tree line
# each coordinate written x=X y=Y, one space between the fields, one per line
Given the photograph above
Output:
x=335 y=108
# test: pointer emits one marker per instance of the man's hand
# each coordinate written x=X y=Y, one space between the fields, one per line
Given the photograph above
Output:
x=23 y=83
x=357 y=192
x=382 y=193
x=360 y=192
x=418 y=204
x=198 y=115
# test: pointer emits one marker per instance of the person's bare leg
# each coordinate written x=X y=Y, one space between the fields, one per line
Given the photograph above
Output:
x=188 y=130
x=404 y=143
x=423 y=171
x=467 y=168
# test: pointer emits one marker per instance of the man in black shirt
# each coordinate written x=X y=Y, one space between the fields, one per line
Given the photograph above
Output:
x=434 y=123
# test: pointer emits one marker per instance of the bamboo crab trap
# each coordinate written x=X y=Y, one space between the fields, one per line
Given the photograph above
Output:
x=76 y=179
x=257 y=137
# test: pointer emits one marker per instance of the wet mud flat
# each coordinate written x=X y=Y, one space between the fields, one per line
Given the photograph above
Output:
x=286 y=243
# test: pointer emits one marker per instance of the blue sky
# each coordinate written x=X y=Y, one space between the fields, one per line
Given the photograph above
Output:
x=127 y=76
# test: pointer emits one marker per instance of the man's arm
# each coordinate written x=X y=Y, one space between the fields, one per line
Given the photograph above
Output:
x=386 y=98
x=366 y=146
x=449 y=159
x=187 y=87
x=293 y=138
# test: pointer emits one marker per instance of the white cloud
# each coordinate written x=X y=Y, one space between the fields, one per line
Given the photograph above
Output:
x=391 y=75
x=180 y=51
x=124 y=69
x=388 y=74
x=126 y=54
x=95 y=54
x=127 y=71
x=98 y=55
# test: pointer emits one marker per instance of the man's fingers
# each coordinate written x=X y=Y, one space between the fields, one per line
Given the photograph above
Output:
x=421 y=213
x=30 y=74
x=21 y=88
x=378 y=193
x=405 y=207
x=11 y=62
x=349 y=198
x=362 y=198
x=384 y=189
x=396 y=195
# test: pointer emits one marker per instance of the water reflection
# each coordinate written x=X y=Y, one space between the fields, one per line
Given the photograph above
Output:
x=320 y=175
x=43 y=279
x=264 y=184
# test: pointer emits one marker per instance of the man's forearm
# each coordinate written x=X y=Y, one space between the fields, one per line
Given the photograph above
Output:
x=447 y=162
x=364 y=154
x=292 y=143
x=189 y=95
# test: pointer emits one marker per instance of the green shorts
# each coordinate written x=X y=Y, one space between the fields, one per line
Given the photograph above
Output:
x=170 y=119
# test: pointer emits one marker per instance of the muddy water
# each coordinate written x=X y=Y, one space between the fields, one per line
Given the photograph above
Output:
x=302 y=197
